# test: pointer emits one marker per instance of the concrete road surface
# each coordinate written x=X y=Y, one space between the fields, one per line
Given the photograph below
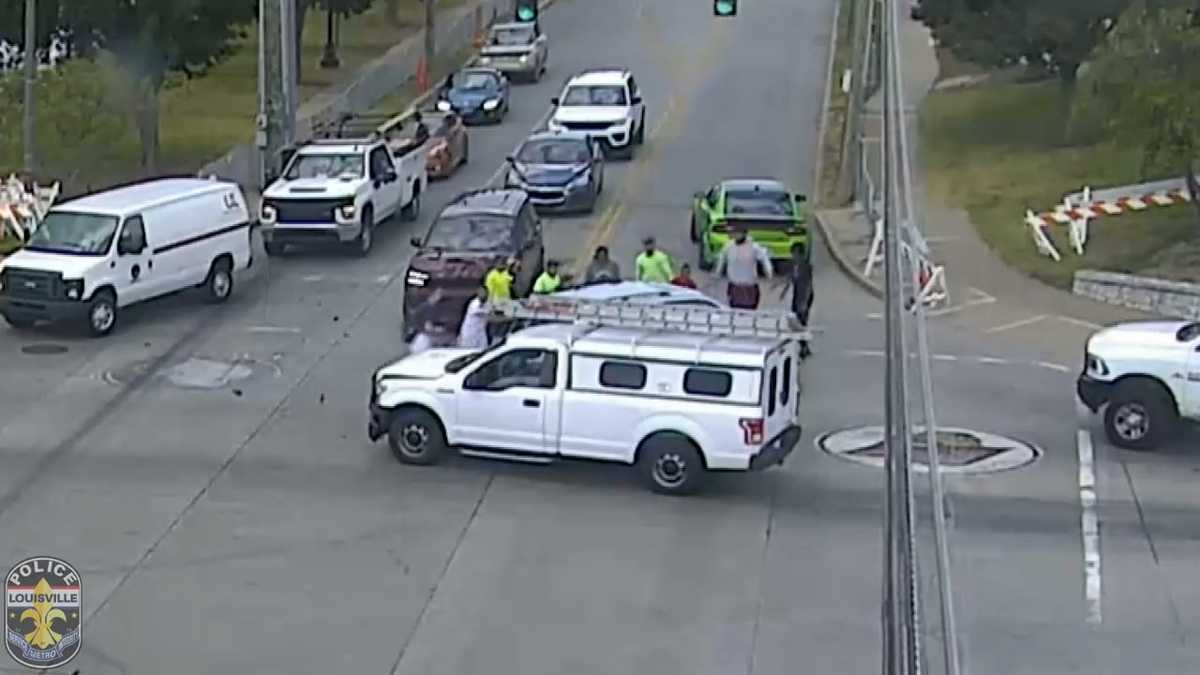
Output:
x=208 y=472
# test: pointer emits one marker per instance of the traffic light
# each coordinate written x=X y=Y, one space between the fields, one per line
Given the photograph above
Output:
x=527 y=11
x=725 y=7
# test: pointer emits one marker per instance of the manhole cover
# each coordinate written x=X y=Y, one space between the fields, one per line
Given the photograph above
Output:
x=44 y=349
x=197 y=372
x=960 y=451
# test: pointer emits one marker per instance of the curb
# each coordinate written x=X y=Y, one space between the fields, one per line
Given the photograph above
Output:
x=839 y=257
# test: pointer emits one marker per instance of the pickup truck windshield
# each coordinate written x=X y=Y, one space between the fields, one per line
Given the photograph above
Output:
x=78 y=233
x=325 y=166
x=472 y=232
x=595 y=95
x=512 y=37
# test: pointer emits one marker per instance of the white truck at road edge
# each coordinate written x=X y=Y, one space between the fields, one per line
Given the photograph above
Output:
x=1147 y=373
x=677 y=404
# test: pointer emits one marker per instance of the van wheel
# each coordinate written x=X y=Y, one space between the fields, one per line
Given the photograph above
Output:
x=1139 y=416
x=702 y=260
x=672 y=465
x=415 y=437
x=366 y=234
x=18 y=322
x=219 y=284
x=102 y=313
x=412 y=210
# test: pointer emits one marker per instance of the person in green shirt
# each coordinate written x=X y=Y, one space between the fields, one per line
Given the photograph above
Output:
x=499 y=281
x=652 y=264
x=549 y=281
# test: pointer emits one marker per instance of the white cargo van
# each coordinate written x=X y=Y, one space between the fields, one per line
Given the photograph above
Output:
x=715 y=390
x=94 y=255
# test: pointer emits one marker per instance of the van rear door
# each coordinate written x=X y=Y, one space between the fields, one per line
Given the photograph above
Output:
x=780 y=391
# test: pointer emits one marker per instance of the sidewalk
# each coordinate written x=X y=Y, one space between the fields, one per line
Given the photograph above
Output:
x=985 y=294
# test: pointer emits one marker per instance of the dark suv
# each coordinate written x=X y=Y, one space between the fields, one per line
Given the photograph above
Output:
x=469 y=235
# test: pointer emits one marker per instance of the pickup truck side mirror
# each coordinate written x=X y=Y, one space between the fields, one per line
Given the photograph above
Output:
x=637 y=100
x=554 y=101
x=416 y=242
x=510 y=159
x=389 y=176
x=801 y=198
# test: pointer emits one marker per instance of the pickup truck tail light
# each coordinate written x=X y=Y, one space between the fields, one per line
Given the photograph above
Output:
x=752 y=430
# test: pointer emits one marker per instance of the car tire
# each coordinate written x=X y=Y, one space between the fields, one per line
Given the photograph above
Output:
x=640 y=136
x=102 y=313
x=412 y=210
x=219 y=284
x=1140 y=415
x=274 y=248
x=466 y=156
x=702 y=261
x=366 y=235
x=416 y=437
x=671 y=465
x=695 y=235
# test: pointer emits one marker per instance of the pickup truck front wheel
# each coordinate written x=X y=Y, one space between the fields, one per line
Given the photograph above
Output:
x=671 y=464
x=416 y=437
x=1140 y=415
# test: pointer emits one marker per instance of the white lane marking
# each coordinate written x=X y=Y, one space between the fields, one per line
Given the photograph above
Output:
x=383 y=278
x=992 y=360
x=310 y=278
x=944 y=357
x=273 y=329
x=865 y=352
x=1052 y=366
x=1015 y=324
x=1089 y=526
x=1078 y=322
x=495 y=179
x=875 y=316
x=955 y=358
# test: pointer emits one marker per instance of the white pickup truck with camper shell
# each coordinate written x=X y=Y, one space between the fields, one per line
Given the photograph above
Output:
x=92 y=256
x=716 y=391
x=1146 y=376
x=338 y=189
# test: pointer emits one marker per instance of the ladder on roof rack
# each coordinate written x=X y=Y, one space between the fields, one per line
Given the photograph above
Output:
x=684 y=319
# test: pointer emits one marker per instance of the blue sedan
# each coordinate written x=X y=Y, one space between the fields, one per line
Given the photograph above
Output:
x=478 y=95
x=560 y=170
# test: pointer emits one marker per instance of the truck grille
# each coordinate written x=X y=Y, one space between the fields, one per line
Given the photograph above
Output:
x=24 y=283
x=307 y=211
x=588 y=126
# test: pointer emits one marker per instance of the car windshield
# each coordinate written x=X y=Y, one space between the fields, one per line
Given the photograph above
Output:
x=471 y=232
x=511 y=37
x=67 y=232
x=472 y=81
x=595 y=95
x=758 y=202
x=325 y=166
x=554 y=151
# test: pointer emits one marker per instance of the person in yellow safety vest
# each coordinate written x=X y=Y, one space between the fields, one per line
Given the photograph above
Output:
x=653 y=264
x=499 y=281
x=549 y=281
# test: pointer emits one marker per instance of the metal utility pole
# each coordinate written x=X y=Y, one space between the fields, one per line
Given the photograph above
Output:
x=276 y=81
x=30 y=63
x=901 y=643
x=430 y=46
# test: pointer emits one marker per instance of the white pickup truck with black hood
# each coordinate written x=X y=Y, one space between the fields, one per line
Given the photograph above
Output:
x=337 y=190
x=517 y=49
x=1146 y=375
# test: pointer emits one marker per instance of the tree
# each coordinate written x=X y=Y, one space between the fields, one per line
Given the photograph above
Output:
x=1146 y=74
x=1056 y=35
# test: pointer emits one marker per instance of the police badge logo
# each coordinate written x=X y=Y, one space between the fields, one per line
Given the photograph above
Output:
x=42 y=612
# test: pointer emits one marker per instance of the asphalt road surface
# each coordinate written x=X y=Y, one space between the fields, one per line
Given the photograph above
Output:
x=207 y=468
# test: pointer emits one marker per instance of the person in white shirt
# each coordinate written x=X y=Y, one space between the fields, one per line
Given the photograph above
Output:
x=741 y=262
x=473 y=332
x=423 y=340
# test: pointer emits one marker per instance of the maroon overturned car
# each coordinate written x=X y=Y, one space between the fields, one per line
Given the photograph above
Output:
x=470 y=234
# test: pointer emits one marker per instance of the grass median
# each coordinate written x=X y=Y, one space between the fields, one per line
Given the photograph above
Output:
x=998 y=149
x=201 y=119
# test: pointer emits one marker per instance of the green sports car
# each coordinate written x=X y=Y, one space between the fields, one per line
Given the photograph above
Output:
x=775 y=218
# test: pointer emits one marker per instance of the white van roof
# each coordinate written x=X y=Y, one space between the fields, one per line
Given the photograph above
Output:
x=131 y=199
x=650 y=344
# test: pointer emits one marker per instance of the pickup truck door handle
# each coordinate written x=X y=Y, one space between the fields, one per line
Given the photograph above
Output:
x=531 y=403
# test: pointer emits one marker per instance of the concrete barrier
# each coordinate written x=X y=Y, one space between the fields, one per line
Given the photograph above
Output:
x=456 y=31
x=1168 y=298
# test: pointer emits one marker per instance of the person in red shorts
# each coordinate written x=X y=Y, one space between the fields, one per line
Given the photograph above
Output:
x=741 y=263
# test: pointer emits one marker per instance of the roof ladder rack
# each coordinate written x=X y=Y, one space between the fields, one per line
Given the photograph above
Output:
x=679 y=318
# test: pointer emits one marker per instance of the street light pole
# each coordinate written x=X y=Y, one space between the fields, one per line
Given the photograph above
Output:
x=330 y=58
x=30 y=119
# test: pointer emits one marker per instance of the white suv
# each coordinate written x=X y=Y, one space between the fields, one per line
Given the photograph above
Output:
x=605 y=104
x=1148 y=374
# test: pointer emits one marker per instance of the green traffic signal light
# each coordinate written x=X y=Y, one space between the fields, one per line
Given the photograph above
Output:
x=725 y=7
x=526 y=13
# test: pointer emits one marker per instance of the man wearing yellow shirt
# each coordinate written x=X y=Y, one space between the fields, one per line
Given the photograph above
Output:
x=499 y=280
x=549 y=281
x=652 y=264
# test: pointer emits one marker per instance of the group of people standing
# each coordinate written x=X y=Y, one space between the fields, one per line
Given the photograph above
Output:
x=742 y=263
